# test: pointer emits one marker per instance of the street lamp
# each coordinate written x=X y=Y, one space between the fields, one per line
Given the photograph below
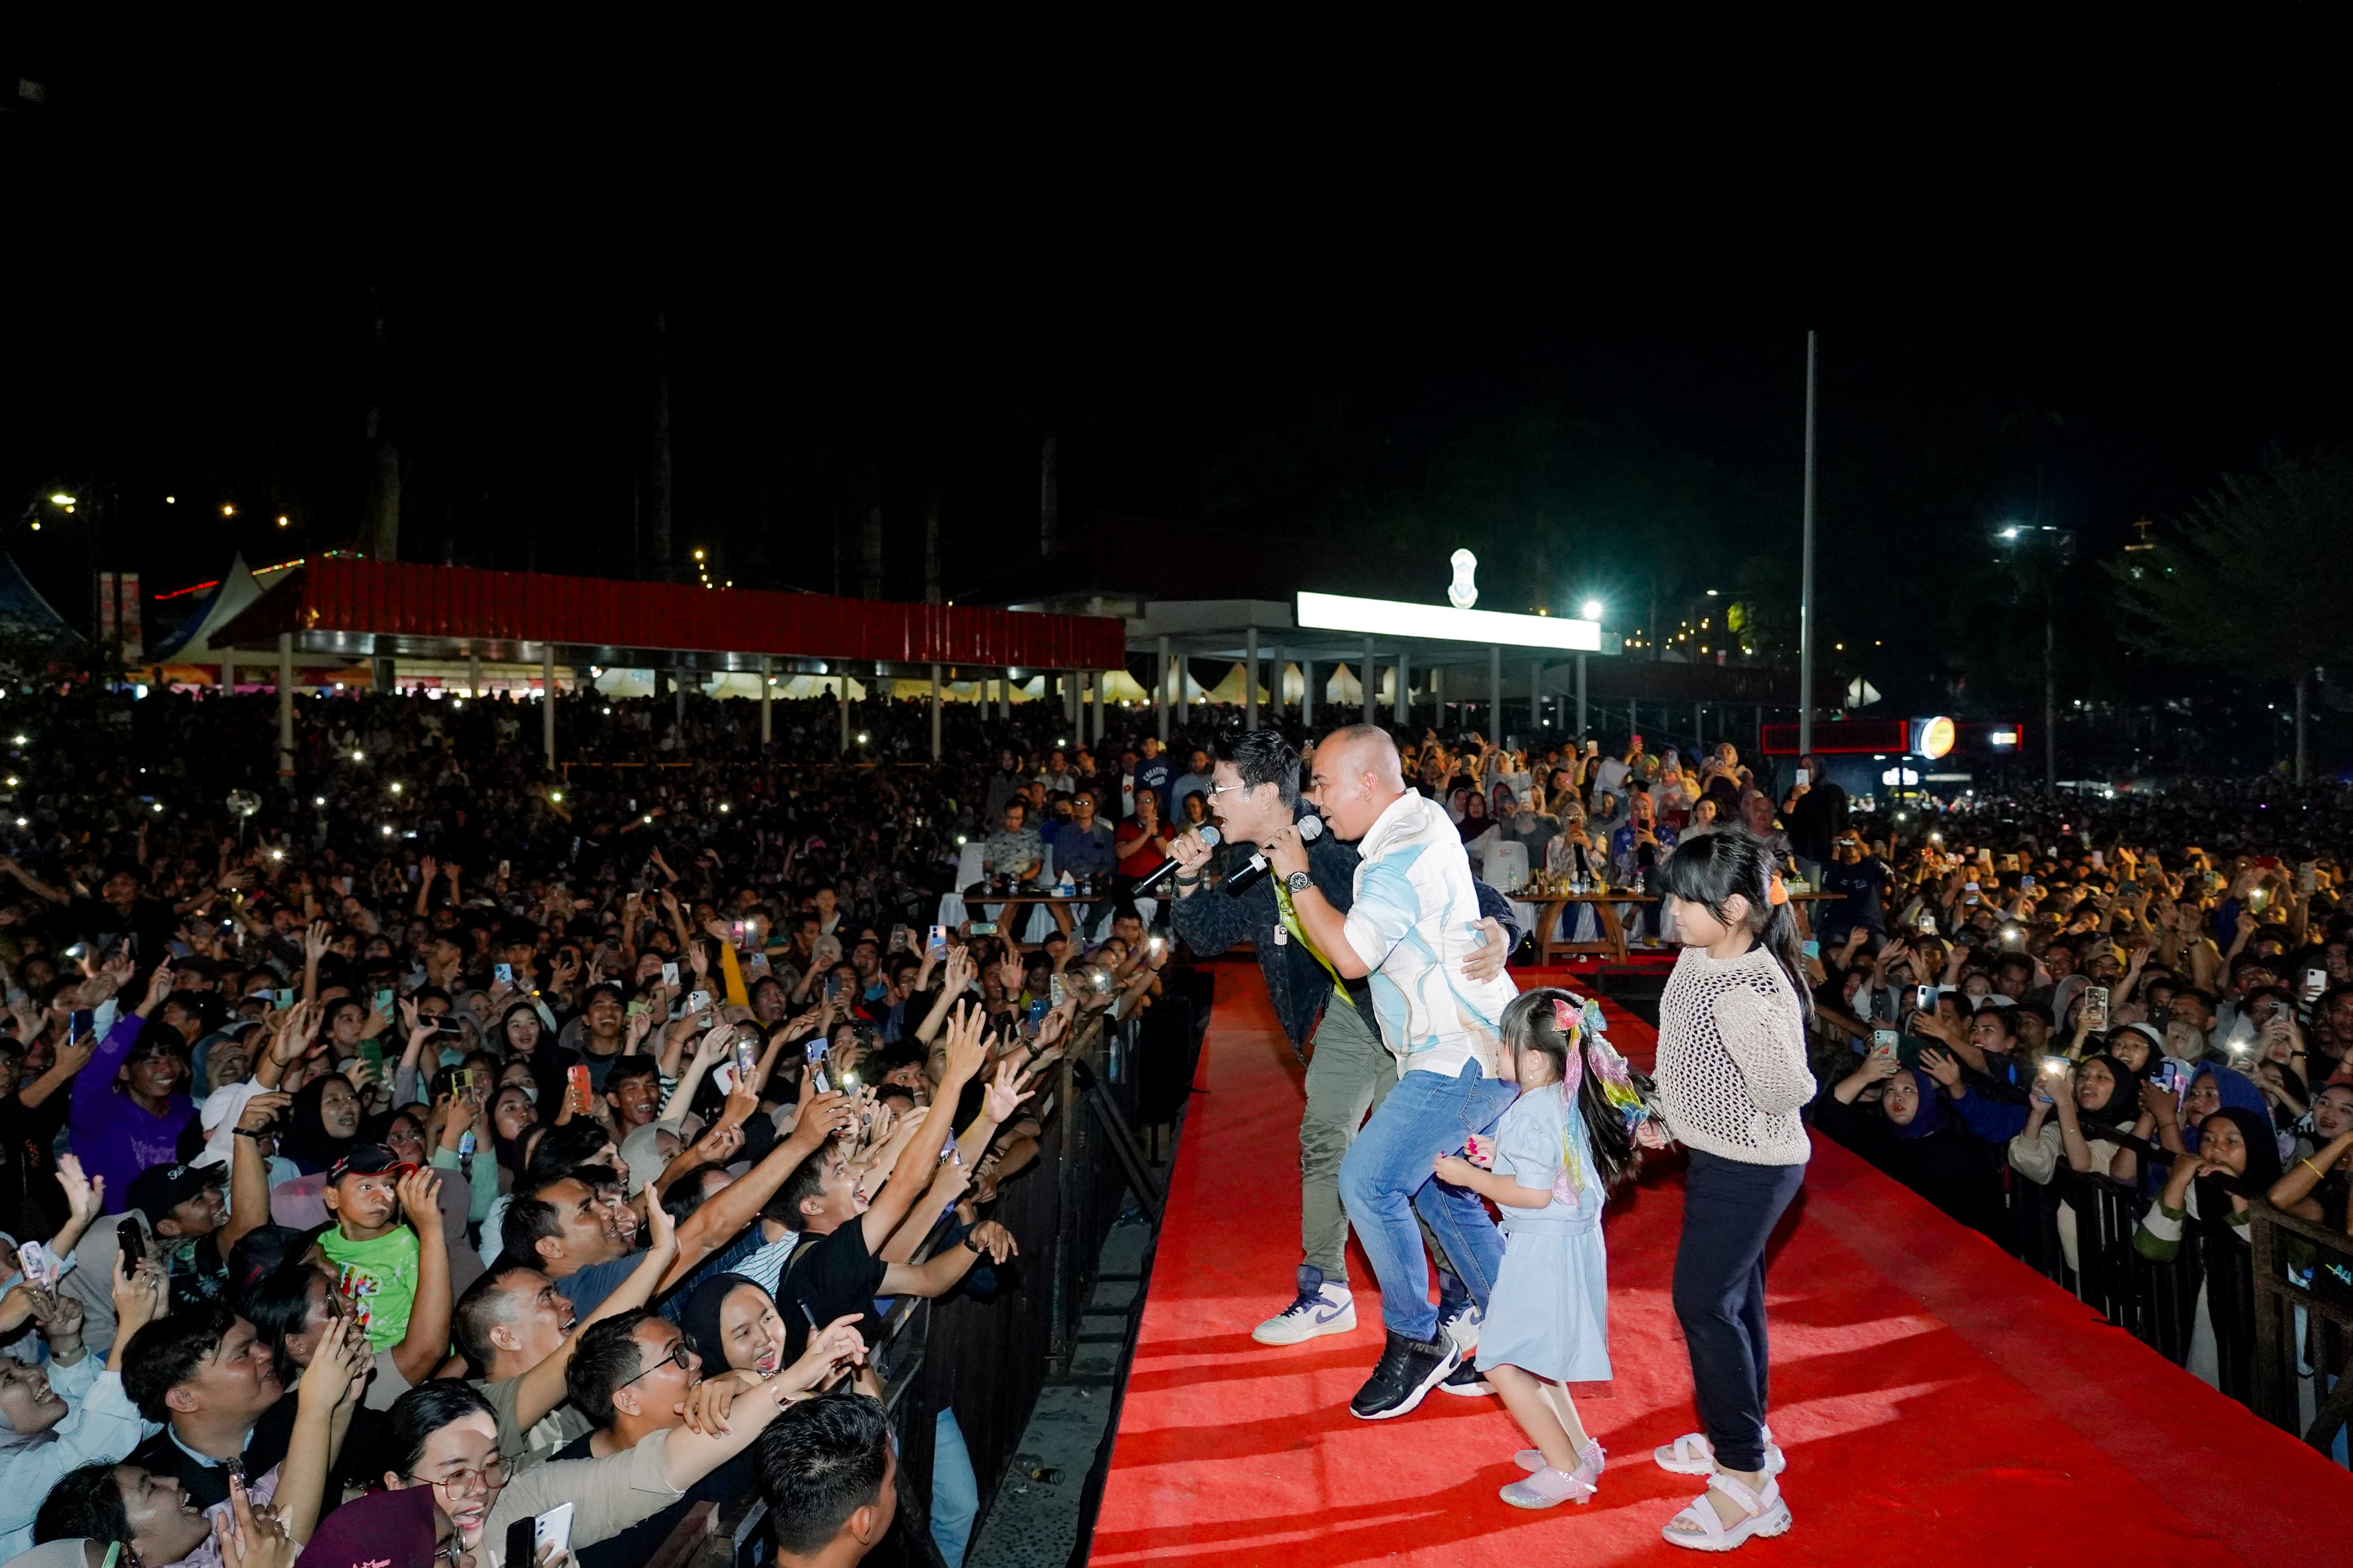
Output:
x=1591 y=609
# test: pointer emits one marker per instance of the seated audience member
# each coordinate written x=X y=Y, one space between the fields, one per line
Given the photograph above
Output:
x=635 y=1373
x=828 y=1473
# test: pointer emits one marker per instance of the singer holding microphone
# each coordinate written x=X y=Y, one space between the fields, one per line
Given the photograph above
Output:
x=1255 y=796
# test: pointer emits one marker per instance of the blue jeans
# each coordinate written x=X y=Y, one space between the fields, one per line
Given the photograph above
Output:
x=955 y=1490
x=1386 y=1177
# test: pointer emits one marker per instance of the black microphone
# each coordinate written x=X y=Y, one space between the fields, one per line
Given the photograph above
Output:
x=1311 y=828
x=1166 y=869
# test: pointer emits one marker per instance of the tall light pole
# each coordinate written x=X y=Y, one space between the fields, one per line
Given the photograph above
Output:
x=1806 y=578
x=2059 y=544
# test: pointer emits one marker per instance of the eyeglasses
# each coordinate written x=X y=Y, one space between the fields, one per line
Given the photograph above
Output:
x=680 y=1356
x=490 y=1477
x=1224 y=789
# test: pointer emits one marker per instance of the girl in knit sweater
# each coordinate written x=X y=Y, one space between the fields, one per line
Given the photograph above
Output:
x=1732 y=1077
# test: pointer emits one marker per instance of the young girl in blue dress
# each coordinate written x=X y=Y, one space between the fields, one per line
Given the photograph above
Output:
x=1558 y=1151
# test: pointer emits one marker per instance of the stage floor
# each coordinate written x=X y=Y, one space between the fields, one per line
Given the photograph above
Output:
x=1939 y=1401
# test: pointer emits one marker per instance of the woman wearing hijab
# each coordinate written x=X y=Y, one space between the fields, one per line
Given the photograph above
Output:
x=2098 y=1100
x=1478 y=830
x=1912 y=1135
x=2238 y=1158
x=734 y=1323
x=2212 y=1087
x=322 y=1123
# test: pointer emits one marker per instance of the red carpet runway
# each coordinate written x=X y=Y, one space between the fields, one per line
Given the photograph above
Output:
x=1939 y=1403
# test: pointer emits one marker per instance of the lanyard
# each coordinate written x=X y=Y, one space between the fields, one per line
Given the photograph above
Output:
x=1291 y=919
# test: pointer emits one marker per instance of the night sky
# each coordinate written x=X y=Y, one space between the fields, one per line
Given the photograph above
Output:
x=1573 y=342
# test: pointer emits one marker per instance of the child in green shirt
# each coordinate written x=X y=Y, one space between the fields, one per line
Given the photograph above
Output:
x=374 y=1253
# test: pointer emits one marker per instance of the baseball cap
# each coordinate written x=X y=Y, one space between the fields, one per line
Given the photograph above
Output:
x=156 y=1191
x=368 y=1160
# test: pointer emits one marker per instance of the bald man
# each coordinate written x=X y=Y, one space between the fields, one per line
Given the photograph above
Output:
x=1414 y=919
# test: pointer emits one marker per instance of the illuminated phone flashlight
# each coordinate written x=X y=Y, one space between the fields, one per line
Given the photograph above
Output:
x=2054 y=1065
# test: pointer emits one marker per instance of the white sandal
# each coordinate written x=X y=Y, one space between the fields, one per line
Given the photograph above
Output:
x=1592 y=1456
x=1693 y=1455
x=1765 y=1515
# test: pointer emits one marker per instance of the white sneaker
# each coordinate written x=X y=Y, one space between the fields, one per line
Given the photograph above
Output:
x=1462 y=1328
x=1327 y=1308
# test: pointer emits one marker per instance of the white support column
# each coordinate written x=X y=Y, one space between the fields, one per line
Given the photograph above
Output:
x=547 y=703
x=286 y=705
x=1437 y=695
x=1183 y=691
x=1275 y=697
x=1495 y=694
x=1535 y=703
x=1308 y=691
x=1365 y=678
x=1005 y=695
x=473 y=675
x=1249 y=679
x=935 y=712
x=1103 y=706
x=1160 y=692
x=1404 y=704
x=1580 y=697
x=768 y=672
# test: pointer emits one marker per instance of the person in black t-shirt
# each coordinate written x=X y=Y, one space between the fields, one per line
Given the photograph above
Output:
x=849 y=1256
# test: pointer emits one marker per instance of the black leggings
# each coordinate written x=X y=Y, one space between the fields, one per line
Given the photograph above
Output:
x=1729 y=1210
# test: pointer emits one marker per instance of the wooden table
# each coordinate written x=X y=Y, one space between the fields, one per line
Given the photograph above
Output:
x=1011 y=907
x=1612 y=945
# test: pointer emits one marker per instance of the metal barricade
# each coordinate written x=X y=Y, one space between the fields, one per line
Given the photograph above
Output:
x=985 y=1357
x=2281 y=1358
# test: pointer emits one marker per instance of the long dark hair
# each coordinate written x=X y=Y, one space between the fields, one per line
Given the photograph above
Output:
x=1708 y=871
x=1531 y=1023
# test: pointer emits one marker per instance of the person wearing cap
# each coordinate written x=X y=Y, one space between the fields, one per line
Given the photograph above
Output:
x=131 y=1103
x=384 y=1267
x=186 y=1227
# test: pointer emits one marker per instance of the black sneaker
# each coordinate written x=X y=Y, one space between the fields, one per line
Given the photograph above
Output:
x=1407 y=1370
x=1466 y=1379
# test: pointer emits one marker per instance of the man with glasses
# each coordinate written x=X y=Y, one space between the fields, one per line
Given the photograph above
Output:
x=636 y=1375
x=1255 y=795
x=443 y=1435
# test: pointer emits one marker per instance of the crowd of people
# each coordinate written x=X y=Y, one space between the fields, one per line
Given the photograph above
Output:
x=2024 y=1009
x=429 y=1145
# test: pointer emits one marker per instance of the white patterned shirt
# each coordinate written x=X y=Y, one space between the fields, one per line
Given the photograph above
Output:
x=1414 y=921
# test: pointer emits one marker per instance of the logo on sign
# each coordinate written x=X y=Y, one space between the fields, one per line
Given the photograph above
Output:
x=1462 y=593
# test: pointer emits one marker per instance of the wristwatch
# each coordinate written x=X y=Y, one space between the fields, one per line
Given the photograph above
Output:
x=1298 y=882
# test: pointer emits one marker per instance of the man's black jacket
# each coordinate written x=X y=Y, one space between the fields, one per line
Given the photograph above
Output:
x=1211 y=923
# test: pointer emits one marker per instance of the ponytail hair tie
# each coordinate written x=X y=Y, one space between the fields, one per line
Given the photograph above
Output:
x=1775 y=893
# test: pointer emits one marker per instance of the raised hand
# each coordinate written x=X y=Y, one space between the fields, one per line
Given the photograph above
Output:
x=1003 y=1094
x=419 y=1193
x=85 y=1195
